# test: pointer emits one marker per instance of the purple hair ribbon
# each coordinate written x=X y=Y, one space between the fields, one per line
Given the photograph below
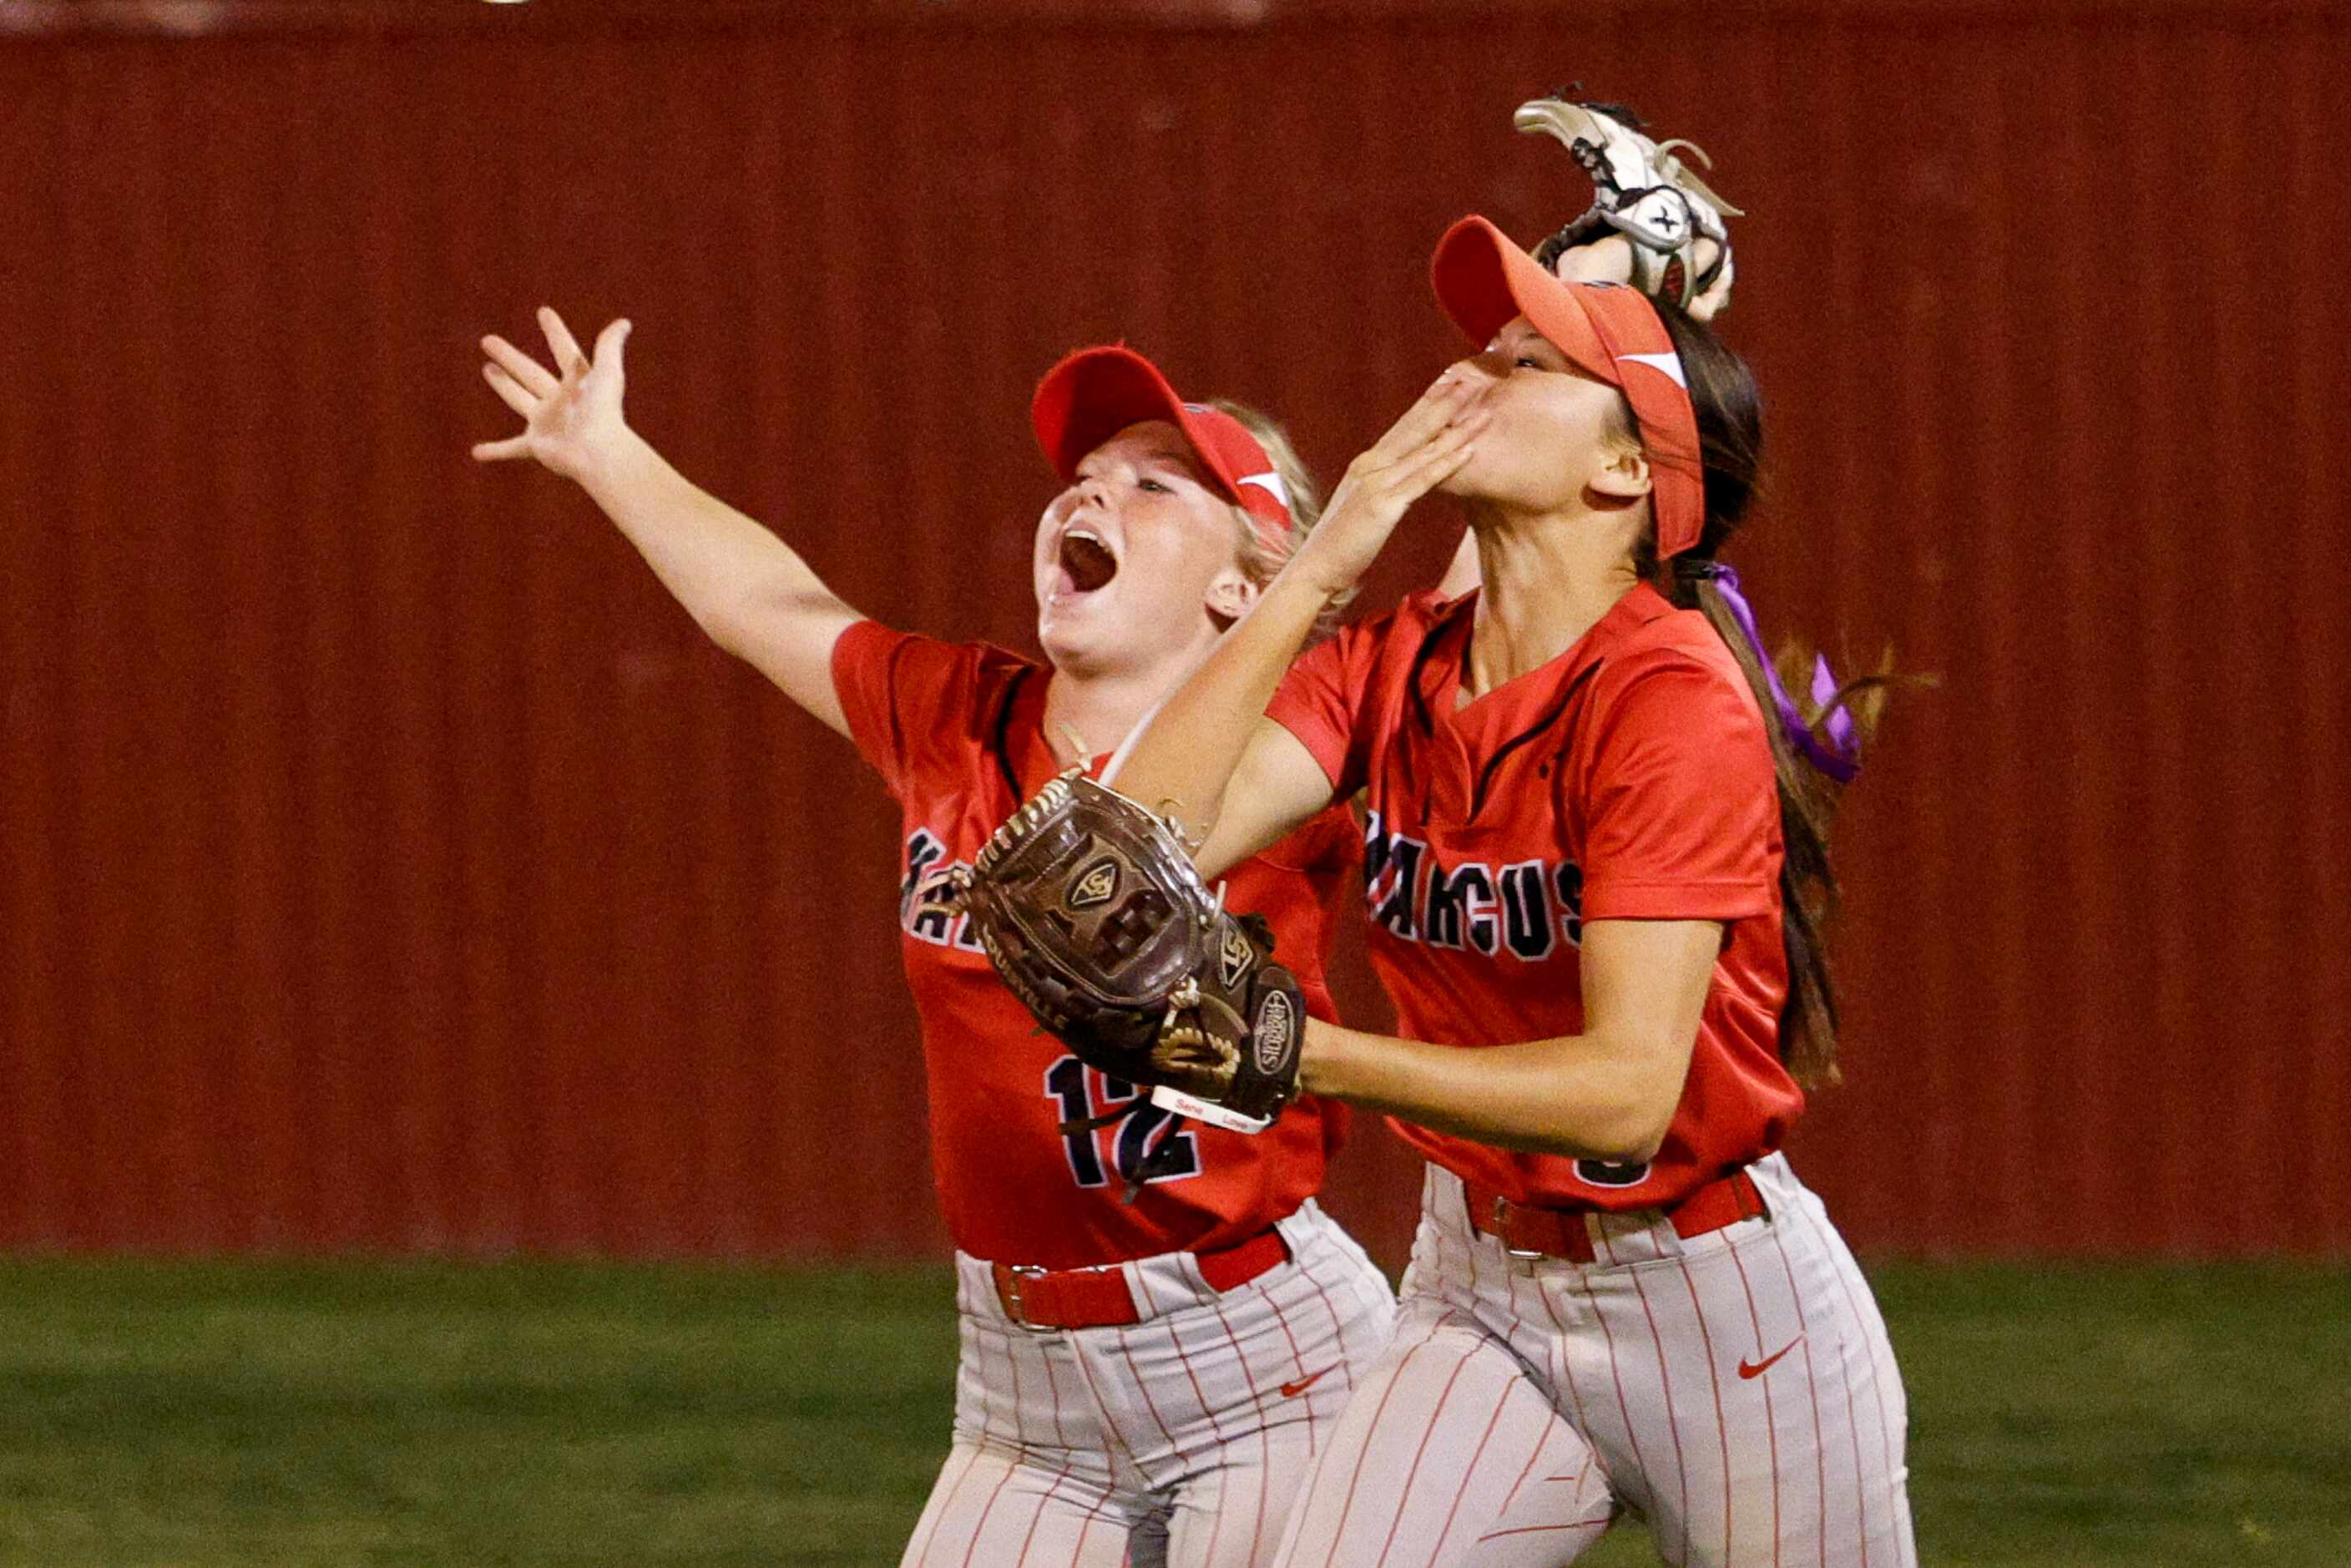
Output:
x=1840 y=756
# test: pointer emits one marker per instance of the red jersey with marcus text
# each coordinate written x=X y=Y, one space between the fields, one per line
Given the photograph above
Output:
x=1630 y=777
x=956 y=731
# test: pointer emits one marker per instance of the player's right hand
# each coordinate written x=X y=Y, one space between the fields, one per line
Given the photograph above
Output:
x=1419 y=451
x=571 y=419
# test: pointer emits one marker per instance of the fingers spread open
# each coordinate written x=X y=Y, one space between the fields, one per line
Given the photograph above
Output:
x=609 y=341
x=519 y=365
x=569 y=360
x=510 y=392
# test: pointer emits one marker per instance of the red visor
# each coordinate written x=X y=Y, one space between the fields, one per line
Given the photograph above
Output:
x=1607 y=330
x=1094 y=393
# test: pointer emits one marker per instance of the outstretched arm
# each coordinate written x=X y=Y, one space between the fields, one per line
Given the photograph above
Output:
x=747 y=589
x=1181 y=761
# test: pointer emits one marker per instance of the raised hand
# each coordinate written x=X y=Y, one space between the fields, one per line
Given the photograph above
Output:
x=1609 y=259
x=571 y=419
x=1653 y=222
x=1420 y=452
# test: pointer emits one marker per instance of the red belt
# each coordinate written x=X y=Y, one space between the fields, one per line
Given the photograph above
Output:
x=1098 y=1297
x=1532 y=1232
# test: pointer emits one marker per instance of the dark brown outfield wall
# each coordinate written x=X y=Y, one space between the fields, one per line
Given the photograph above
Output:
x=386 y=864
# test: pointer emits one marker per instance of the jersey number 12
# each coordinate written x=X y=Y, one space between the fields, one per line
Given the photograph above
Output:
x=1078 y=1092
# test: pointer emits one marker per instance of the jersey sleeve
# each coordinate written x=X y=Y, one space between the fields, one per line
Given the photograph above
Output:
x=1328 y=842
x=900 y=692
x=1683 y=814
x=1321 y=700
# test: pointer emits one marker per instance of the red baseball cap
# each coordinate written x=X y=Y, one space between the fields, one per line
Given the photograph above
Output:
x=1607 y=330
x=1094 y=393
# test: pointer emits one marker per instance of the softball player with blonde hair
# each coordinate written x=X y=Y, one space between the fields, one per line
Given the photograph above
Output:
x=1158 y=1325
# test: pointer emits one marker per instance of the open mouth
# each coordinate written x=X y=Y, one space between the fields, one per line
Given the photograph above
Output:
x=1086 y=561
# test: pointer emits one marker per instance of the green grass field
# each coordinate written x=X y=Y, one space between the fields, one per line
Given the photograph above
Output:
x=413 y=1413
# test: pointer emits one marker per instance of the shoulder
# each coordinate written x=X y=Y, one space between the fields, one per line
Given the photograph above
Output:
x=1335 y=683
x=913 y=661
x=923 y=711
x=1670 y=702
x=1398 y=633
x=1419 y=616
x=1675 y=666
x=992 y=664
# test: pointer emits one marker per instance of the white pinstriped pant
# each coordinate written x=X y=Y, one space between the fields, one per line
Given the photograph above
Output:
x=1178 y=1440
x=1735 y=1388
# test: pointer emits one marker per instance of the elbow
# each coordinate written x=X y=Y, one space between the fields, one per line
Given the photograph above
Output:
x=1624 y=1126
x=1617 y=1137
x=1638 y=1143
x=723 y=615
x=735 y=616
x=724 y=630
x=743 y=619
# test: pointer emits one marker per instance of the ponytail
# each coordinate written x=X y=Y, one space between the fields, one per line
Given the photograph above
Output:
x=1812 y=759
x=1814 y=754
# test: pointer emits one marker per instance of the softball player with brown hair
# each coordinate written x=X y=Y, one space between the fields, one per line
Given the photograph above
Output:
x=1158 y=1325
x=1596 y=860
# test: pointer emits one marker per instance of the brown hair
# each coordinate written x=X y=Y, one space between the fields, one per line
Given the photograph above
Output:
x=1731 y=444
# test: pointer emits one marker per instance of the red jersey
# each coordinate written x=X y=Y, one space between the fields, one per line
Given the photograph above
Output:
x=1630 y=777
x=956 y=731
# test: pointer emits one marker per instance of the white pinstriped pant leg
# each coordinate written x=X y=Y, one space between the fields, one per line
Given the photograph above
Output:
x=1879 y=1418
x=1450 y=1453
x=993 y=1504
x=1454 y=1450
x=1735 y=1388
x=1739 y=1387
x=1180 y=1439
x=1031 y=1477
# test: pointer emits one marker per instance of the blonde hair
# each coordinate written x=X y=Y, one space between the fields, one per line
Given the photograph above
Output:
x=1262 y=557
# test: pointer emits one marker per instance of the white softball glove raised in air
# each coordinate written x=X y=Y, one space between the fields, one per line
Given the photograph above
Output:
x=1680 y=248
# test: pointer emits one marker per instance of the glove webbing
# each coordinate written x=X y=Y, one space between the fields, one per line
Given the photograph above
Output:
x=1654 y=272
